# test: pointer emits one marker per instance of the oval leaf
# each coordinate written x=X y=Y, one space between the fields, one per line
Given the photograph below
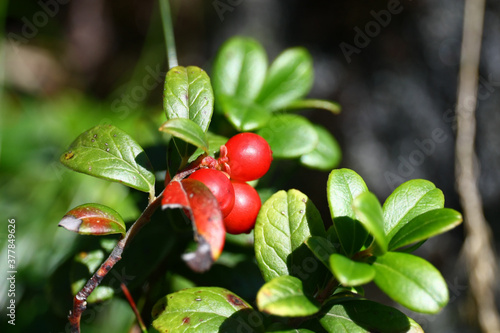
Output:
x=107 y=152
x=411 y=281
x=204 y=309
x=289 y=78
x=316 y=104
x=327 y=153
x=188 y=94
x=342 y=187
x=240 y=69
x=284 y=222
x=284 y=296
x=204 y=211
x=186 y=130
x=349 y=272
x=363 y=316
x=243 y=115
x=321 y=248
x=93 y=219
x=424 y=226
x=409 y=200
x=289 y=135
x=369 y=212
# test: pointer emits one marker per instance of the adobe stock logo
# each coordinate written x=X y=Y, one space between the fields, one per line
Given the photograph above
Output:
x=372 y=29
x=221 y=7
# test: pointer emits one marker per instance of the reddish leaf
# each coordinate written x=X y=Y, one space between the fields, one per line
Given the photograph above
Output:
x=202 y=207
x=93 y=219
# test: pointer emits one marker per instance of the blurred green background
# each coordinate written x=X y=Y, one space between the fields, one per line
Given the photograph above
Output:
x=70 y=65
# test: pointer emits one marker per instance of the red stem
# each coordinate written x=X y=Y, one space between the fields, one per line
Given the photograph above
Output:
x=126 y=292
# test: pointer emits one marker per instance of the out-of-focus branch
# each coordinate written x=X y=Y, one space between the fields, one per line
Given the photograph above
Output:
x=478 y=250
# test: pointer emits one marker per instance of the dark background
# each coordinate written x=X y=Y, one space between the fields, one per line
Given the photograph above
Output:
x=71 y=64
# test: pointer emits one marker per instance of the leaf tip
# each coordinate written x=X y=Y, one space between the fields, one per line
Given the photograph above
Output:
x=71 y=223
x=201 y=260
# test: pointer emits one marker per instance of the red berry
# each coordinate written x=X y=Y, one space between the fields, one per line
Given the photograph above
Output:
x=220 y=186
x=249 y=156
x=246 y=207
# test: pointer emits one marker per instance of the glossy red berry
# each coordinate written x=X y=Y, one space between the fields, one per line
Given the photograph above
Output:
x=220 y=186
x=249 y=156
x=246 y=207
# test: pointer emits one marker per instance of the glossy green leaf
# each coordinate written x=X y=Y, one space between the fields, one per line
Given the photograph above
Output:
x=409 y=200
x=285 y=221
x=244 y=115
x=204 y=309
x=316 y=104
x=107 y=152
x=84 y=265
x=186 y=130
x=426 y=225
x=327 y=153
x=284 y=296
x=369 y=213
x=188 y=94
x=349 y=272
x=342 y=187
x=364 y=316
x=411 y=281
x=289 y=135
x=290 y=77
x=239 y=69
x=321 y=248
x=93 y=219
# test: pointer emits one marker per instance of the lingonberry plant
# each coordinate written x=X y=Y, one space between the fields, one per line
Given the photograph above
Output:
x=313 y=270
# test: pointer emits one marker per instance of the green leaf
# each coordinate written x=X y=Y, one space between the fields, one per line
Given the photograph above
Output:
x=244 y=115
x=369 y=212
x=342 y=187
x=363 y=316
x=187 y=130
x=289 y=135
x=327 y=153
x=107 y=152
x=426 y=225
x=188 y=94
x=93 y=219
x=284 y=296
x=321 y=248
x=316 y=104
x=239 y=69
x=349 y=272
x=411 y=281
x=409 y=200
x=284 y=222
x=290 y=77
x=204 y=309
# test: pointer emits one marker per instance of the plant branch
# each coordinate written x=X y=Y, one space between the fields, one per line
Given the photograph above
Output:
x=80 y=300
x=479 y=254
x=168 y=31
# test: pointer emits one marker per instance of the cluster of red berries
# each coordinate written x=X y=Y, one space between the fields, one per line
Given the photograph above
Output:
x=244 y=157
